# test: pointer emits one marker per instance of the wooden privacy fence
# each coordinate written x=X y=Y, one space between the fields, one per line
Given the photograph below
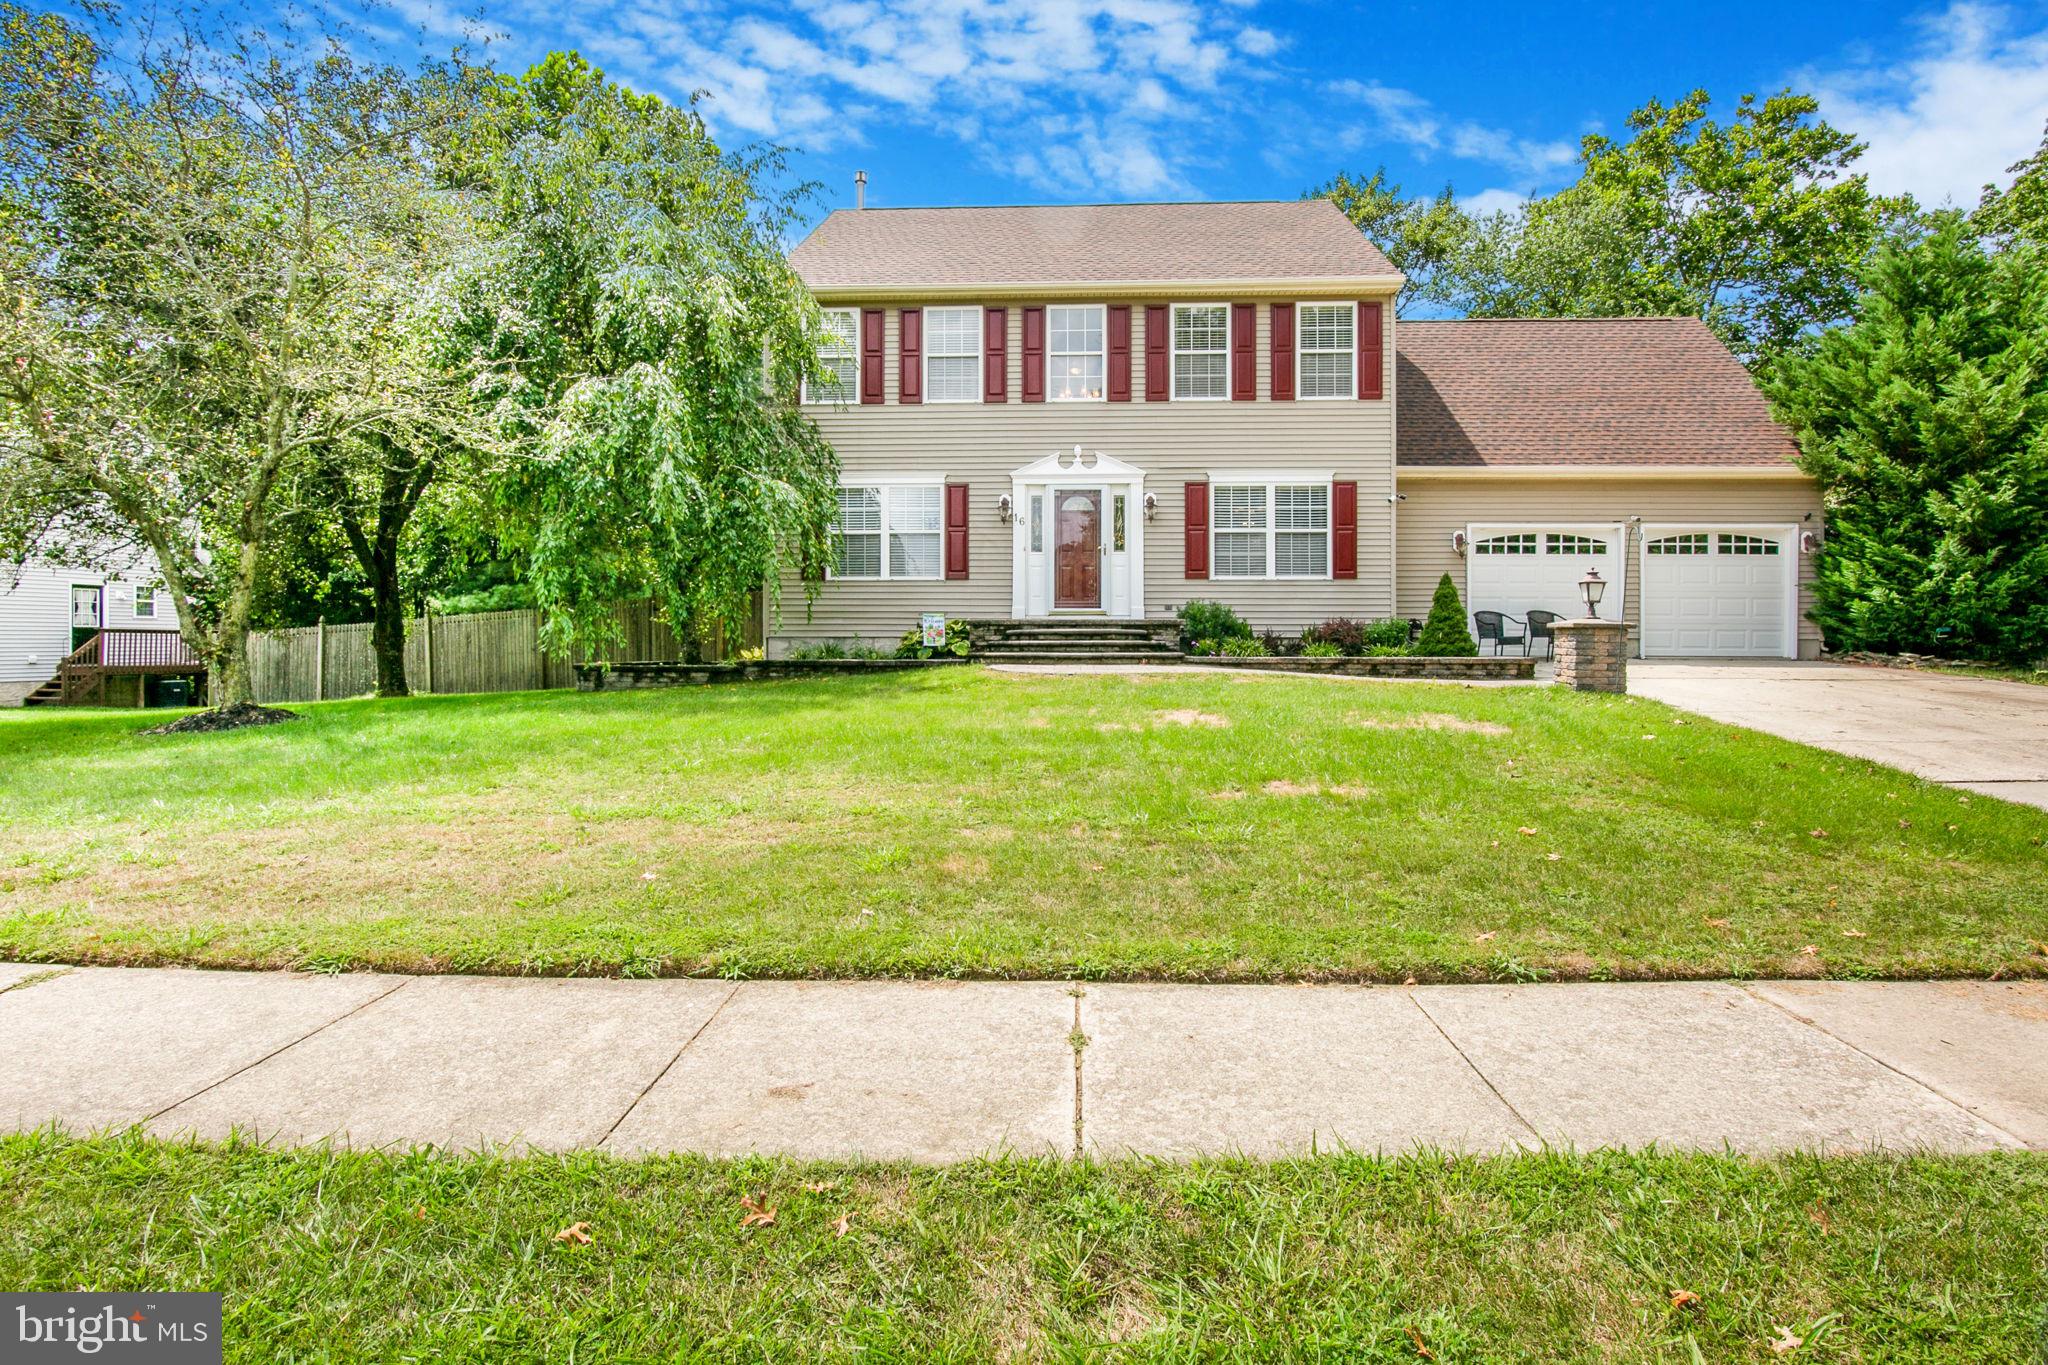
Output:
x=487 y=651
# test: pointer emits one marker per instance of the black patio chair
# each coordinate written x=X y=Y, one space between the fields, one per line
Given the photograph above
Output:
x=1493 y=625
x=1539 y=629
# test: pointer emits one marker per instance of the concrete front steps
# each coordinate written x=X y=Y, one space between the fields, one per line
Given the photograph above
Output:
x=1087 y=640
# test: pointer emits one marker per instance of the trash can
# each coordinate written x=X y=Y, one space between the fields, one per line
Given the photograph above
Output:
x=174 y=692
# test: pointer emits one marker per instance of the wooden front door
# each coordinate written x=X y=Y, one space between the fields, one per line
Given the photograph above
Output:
x=1077 y=549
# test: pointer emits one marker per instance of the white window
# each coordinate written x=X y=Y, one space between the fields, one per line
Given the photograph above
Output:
x=145 y=601
x=1557 y=544
x=1275 y=530
x=1520 y=543
x=952 y=355
x=1201 y=350
x=1073 y=352
x=1690 y=544
x=839 y=357
x=889 y=531
x=1747 y=545
x=1326 y=348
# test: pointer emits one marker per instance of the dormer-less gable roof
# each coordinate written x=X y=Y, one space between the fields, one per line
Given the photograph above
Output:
x=1099 y=247
x=1578 y=391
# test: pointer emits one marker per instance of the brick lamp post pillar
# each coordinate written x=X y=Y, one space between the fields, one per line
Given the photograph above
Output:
x=1592 y=655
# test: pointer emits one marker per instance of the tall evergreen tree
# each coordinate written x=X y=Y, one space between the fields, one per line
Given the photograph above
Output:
x=1926 y=423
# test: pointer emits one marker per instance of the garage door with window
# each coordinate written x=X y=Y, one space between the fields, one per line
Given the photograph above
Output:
x=1515 y=569
x=1719 y=592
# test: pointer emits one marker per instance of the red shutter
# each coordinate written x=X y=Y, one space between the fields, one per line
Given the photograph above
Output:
x=1034 y=355
x=1371 y=360
x=1197 y=530
x=1344 y=529
x=995 y=355
x=1283 y=351
x=956 y=530
x=1244 y=361
x=871 y=355
x=1157 y=335
x=910 y=347
x=1119 y=353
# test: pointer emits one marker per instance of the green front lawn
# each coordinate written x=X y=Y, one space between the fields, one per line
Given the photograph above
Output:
x=329 y=1256
x=962 y=821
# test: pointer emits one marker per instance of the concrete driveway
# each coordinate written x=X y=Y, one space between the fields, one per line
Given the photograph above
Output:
x=1978 y=734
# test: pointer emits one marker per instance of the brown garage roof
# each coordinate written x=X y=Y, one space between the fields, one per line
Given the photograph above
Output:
x=1577 y=391
x=1081 y=244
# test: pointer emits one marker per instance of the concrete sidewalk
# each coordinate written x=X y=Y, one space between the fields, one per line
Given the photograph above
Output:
x=939 y=1071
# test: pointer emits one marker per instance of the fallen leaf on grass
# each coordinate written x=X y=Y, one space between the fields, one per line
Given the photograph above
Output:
x=822 y=1186
x=1820 y=1218
x=1553 y=857
x=1409 y=982
x=1683 y=1298
x=1486 y=937
x=1854 y=933
x=1526 y=831
x=839 y=1224
x=1420 y=1349
x=760 y=1213
x=1717 y=923
x=420 y=1212
x=1786 y=1341
x=1905 y=824
x=1809 y=951
x=576 y=1234
x=1818 y=833
x=2042 y=949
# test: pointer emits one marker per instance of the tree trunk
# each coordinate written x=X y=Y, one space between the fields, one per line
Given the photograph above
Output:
x=387 y=622
x=229 y=679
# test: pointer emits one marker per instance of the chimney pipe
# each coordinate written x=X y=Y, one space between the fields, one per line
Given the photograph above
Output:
x=860 y=189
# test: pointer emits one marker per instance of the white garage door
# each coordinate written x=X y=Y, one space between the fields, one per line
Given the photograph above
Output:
x=1708 y=591
x=1515 y=568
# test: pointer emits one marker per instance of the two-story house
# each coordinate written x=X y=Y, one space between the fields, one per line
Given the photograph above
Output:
x=1111 y=410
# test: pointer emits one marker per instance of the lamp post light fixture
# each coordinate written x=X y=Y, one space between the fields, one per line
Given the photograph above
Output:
x=1593 y=587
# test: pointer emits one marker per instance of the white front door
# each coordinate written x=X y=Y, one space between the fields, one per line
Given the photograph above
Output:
x=1516 y=569
x=1719 y=591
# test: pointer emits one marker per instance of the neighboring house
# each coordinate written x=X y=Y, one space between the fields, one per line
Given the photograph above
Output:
x=1111 y=410
x=49 y=610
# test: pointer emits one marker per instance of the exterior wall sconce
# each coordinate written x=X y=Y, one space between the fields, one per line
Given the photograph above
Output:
x=1003 y=506
x=1593 y=587
x=1457 y=542
x=1151 y=506
x=1808 y=542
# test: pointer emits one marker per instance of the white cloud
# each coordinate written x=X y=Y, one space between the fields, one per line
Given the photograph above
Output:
x=1965 y=102
x=1409 y=118
x=1493 y=201
x=1102 y=97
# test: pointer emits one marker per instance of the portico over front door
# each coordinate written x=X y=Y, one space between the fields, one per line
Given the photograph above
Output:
x=1077 y=549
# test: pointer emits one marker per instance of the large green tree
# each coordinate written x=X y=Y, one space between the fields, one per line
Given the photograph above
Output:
x=1425 y=238
x=654 y=337
x=217 y=257
x=2020 y=210
x=1756 y=225
x=1926 y=423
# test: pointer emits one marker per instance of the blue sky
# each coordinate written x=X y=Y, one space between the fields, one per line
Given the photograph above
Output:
x=990 y=101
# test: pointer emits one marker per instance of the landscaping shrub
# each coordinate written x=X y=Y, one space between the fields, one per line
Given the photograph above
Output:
x=1320 y=649
x=1245 y=647
x=912 y=646
x=1207 y=647
x=1357 y=637
x=828 y=649
x=1444 y=634
x=1211 y=621
x=1387 y=651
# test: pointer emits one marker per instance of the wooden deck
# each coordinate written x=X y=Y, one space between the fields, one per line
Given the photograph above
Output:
x=125 y=653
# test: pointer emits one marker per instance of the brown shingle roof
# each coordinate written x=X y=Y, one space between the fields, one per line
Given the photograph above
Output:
x=1577 y=391
x=1302 y=239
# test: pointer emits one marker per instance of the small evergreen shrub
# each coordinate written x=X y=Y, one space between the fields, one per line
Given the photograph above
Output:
x=1444 y=634
x=912 y=645
x=1211 y=621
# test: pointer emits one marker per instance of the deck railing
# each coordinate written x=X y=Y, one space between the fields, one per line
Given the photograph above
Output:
x=128 y=650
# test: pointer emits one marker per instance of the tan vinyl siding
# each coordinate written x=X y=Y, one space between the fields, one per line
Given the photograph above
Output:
x=1174 y=443
x=1437 y=507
